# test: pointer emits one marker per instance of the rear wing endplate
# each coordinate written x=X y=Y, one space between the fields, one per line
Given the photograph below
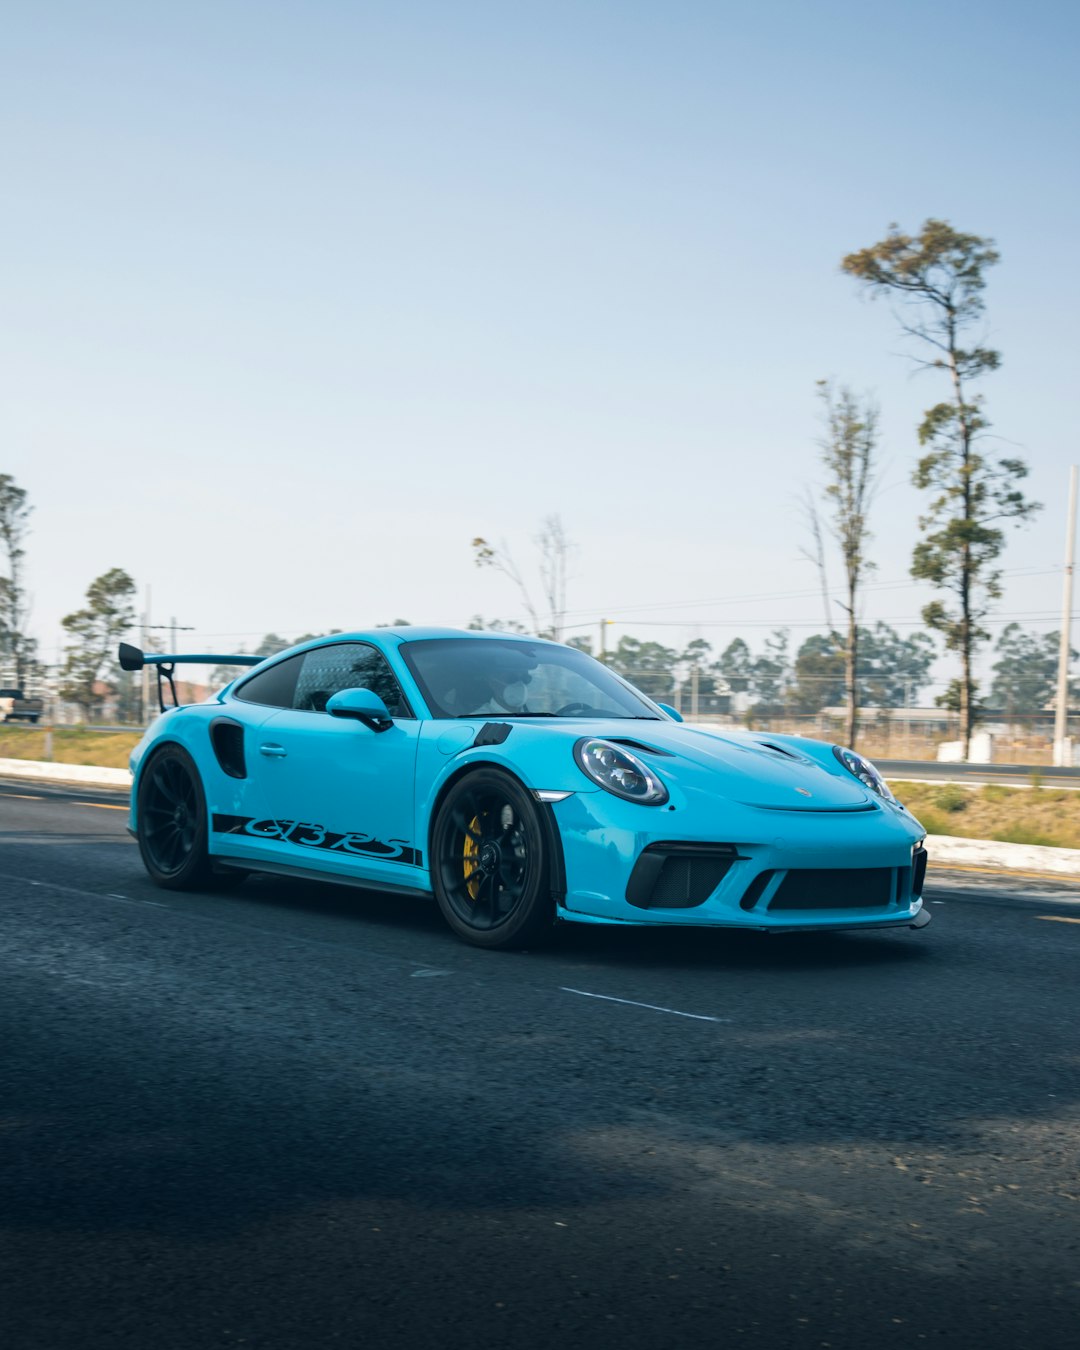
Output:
x=132 y=658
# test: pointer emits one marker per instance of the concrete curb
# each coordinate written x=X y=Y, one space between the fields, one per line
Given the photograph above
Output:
x=988 y=854
x=83 y=775
x=943 y=848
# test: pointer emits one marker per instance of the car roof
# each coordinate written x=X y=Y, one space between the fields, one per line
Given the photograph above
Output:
x=419 y=633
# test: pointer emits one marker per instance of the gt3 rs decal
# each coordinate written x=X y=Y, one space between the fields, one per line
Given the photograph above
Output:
x=318 y=836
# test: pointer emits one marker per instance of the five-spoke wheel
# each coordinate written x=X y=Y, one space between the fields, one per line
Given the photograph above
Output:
x=489 y=865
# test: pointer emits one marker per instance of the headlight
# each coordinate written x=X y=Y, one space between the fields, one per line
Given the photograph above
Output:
x=619 y=772
x=864 y=771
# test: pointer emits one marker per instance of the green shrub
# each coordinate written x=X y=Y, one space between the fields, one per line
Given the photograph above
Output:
x=951 y=797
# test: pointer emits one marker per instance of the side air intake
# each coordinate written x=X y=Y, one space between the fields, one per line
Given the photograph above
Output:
x=227 y=738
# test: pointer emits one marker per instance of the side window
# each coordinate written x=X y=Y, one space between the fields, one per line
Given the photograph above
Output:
x=347 y=665
x=274 y=687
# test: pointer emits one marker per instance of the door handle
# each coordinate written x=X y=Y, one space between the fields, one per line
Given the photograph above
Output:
x=272 y=751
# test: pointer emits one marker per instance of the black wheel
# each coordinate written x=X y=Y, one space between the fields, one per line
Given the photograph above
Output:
x=489 y=863
x=171 y=821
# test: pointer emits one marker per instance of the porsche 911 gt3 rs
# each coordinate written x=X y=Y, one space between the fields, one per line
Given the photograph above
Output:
x=521 y=783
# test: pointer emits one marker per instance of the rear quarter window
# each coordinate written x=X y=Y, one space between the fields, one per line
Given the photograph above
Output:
x=274 y=687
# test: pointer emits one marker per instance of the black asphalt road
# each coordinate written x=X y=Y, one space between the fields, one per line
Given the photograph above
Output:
x=299 y=1116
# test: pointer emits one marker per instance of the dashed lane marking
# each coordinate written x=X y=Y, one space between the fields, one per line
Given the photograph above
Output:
x=1057 y=918
x=101 y=806
x=24 y=796
x=653 y=1007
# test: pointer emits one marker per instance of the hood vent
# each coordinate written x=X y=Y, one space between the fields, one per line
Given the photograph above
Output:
x=638 y=746
x=779 y=750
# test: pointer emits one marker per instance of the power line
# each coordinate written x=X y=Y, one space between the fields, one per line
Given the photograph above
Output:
x=814 y=591
x=899 y=622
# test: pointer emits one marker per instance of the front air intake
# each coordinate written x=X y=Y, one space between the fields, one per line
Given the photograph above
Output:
x=918 y=871
x=678 y=874
x=835 y=888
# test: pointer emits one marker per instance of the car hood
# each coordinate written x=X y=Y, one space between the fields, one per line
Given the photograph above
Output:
x=748 y=769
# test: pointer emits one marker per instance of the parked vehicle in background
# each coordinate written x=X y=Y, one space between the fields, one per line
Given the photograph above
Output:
x=15 y=708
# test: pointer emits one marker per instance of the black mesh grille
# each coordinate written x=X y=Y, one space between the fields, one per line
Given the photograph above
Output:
x=678 y=877
x=835 y=888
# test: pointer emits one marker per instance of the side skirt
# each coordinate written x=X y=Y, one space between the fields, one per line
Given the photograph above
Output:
x=311 y=874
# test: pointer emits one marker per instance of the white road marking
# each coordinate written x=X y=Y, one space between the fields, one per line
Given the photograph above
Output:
x=89 y=895
x=653 y=1007
x=1056 y=918
x=417 y=974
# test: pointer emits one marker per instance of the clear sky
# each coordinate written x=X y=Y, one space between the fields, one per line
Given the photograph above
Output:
x=297 y=298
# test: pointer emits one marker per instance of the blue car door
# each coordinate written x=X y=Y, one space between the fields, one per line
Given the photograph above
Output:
x=330 y=794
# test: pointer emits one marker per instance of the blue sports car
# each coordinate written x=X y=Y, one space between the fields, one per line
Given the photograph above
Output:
x=520 y=782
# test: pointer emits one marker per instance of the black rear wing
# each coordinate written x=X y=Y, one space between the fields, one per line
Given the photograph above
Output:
x=132 y=658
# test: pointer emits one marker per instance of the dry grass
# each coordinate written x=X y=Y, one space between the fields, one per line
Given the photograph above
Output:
x=1012 y=815
x=70 y=745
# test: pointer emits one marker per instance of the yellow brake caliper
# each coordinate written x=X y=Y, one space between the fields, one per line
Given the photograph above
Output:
x=472 y=853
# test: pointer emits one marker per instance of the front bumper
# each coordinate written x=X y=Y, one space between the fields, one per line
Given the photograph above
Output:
x=750 y=867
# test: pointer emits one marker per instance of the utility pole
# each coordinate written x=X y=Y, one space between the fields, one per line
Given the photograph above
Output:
x=603 y=638
x=144 y=698
x=1062 y=745
x=172 y=628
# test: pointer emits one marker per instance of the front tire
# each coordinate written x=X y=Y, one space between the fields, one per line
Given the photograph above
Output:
x=171 y=824
x=490 y=867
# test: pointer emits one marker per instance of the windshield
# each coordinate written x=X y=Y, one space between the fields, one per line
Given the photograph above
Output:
x=477 y=677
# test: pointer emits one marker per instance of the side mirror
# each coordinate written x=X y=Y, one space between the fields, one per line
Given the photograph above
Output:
x=362 y=705
x=671 y=712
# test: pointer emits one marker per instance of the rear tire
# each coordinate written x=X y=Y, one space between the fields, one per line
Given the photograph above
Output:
x=171 y=821
x=490 y=868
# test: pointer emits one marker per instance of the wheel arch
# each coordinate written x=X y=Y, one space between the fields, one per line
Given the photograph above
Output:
x=549 y=826
x=147 y=758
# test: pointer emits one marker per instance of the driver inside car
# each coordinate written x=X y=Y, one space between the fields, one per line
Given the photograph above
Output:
x=499 y=689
